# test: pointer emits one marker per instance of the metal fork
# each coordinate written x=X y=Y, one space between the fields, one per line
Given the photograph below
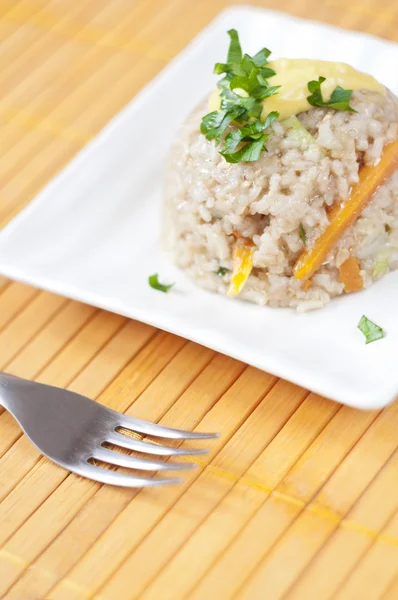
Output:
x=71 y=429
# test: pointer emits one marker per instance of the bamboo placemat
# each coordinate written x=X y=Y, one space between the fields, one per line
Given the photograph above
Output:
x=298 y=499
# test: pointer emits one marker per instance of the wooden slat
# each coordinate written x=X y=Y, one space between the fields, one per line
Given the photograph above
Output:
x=351 y=482
x=349 y=544
x=266 y=472
x=164 y=540
x=13 y=300
x=377 y=569
x=51 y=339
x=392 y=590
x=27 y=324
x=297 y=499
x=277 y=512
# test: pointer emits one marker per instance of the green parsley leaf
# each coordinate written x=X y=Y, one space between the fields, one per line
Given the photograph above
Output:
x=264 y=74
x=370 y=330
x=271 y=117
x=261 y=58
x=249 y=153
x=154 y=282
x=211 y=123
x=239 y=82
x=242 y=91
x=231 y=142
x=261 y=92
x=316 y=95
x=220 y=68
x=339 y=100
x=255 y=137
x=222 y=271
x=247 y=65
x=235 y=51
x=303 y=235
x=253 y=130
x=215 y=123
x=246 y=106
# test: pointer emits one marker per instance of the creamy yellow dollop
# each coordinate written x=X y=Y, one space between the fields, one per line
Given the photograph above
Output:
x=293 y=75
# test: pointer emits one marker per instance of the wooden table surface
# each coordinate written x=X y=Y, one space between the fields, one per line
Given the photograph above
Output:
x=298 y=499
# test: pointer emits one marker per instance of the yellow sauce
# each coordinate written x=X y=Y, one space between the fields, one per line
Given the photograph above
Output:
x=293 y=75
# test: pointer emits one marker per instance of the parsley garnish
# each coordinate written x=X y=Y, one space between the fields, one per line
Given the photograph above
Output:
x=303 y=235
x=154 y=282
x=222 y=271
x=242 y=91
x=370 y=330
x=339 y=100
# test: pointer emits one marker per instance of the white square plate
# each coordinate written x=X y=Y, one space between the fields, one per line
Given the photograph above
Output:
x=92 y=233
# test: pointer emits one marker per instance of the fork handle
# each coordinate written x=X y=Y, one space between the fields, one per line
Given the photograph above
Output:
x=4 y=383
x=7 y=386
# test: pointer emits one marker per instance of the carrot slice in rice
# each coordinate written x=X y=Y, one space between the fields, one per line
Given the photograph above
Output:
x=350 y=275
x=345 y=214
x=243 y=265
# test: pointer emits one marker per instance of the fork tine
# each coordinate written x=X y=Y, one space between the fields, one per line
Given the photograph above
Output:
x=161 y=431
x=120 y=479
x=148 y=448
x=132 y=462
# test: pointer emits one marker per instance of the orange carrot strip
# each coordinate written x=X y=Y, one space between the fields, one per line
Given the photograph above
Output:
x=243 y=264
x=345 y=214
x=307 y=284
x=350 y=275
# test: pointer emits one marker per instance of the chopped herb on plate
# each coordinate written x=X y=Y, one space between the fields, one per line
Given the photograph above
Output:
x=339 y=100
x=370 y=330
x=242 y=91
x=156 y=285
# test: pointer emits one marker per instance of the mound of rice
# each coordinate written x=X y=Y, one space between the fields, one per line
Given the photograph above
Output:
x=208 y=199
